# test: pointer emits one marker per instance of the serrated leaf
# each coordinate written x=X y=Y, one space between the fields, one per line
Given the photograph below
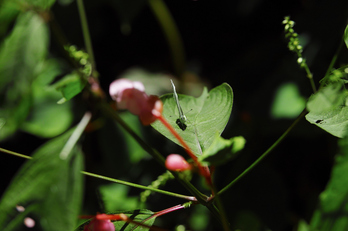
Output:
x=70 y=86
x=222 y=150
x=206 y=116
x=48 y=187
x=328 y=109
x=142 y=216
x=331 y=214
x=20 y=55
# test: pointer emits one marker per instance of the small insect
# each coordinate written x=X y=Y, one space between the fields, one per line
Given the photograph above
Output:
x=319 y=121
x=182 y=118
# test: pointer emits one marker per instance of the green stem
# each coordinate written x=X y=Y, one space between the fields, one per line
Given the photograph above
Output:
x=264 y=154
x=221 y=210
x=15 y=154
x=190 y=198
x=85 y=31
x=171 y=33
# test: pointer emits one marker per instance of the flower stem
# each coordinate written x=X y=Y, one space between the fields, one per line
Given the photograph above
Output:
x=263 y=156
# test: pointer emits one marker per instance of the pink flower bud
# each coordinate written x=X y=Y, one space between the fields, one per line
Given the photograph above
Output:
x=175 y=162
x=98 y=223
x=130 y=95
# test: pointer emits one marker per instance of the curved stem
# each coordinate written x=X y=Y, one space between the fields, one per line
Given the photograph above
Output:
x=171 y=33
x=274 y=145
x=190 y=198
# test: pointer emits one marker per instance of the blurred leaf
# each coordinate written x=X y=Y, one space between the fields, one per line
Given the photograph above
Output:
x=115 y=198
x=135 y=151
x=247 y=220
x=70 y=86
x=345 y=38
x=47 y=118
x=303 y=226
x=328 y=109
x=20 y=55
x=48 y=187
x=222 y=150
x=288 y=102
x=143 y=216
x=331 y=213
x=206 y=116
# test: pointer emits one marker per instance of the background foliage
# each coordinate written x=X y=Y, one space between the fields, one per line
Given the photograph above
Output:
x=239 y=42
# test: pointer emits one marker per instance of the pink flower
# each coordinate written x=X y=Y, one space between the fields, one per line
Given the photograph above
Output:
x=100 y=222
x=131 y=95
x=175 y=162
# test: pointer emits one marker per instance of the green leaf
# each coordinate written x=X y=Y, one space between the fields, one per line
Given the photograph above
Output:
x=143 y=216
x=288 y=102
x=328 y=109
x=331 y=213
x=71 y=85
x=206 y=116
x=48 y=187
x=222 y=150
x=20 y=55
x=47 y=118
x=345 y=38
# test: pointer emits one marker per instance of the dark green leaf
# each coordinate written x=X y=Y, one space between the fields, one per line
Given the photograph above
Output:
x=221 y=150
x=69 y=86
x=115 y=197
x=327 y=109
x=20 y=55
x=206 y=116
x=331 y=214
x=49 y=188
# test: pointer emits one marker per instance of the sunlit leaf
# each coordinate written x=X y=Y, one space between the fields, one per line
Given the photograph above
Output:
x=288 y=102
x=331 y=214
x=48 y=187
x=206 y=116
x=222 y=150
x=70 y=86
x=328 y=109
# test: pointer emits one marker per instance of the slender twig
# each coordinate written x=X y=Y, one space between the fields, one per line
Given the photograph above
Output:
x=85 y=31
x=15 y=154
x=171 y=33
x=274 y=145
x=189 y=198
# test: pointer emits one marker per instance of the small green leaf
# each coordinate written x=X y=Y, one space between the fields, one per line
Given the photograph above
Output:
x=115 y=197
x=206 y=116
x=328 y=109
x=331 y=214
x=221 y=150
x=288 y=102
x=345 y=38
x=70 y=86
x=48 y=187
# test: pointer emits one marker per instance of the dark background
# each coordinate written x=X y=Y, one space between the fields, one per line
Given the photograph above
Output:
x=238 y=42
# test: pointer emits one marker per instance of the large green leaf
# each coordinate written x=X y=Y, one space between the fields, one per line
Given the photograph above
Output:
x=48 y=187
x=206 y=116
x=328 y=109
x=20 y=55
x=331 y=214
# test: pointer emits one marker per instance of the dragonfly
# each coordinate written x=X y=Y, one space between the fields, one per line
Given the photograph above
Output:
x=182 y=118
